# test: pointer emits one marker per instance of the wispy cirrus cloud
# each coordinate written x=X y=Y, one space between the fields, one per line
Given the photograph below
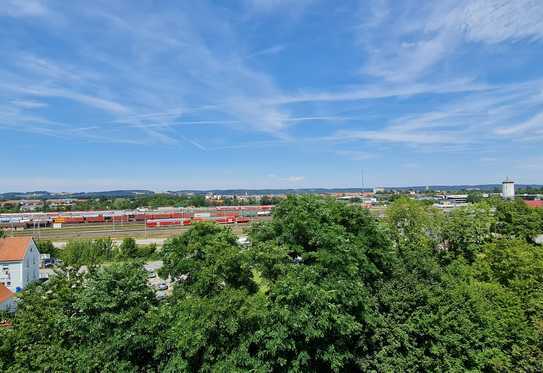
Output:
x=287 y=179
x=215 y=77
x=254 y=81
x=28 y=104
x=356 y=155
x=411 y=49
x=267 y=6
x=534 y=123
x=24 y=8
x=276 y=49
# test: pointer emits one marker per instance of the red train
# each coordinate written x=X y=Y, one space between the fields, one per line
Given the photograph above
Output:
x=155 y=223
x=220 y=215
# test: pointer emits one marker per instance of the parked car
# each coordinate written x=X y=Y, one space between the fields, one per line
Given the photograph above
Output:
x=162 y=286
x=151 y=275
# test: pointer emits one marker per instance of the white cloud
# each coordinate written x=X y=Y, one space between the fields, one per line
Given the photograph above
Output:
x=534 y=122
x=29 y=104
x=97 y=102
x=287 y=179
x=267 y=6
x=388 y=135
x=370 y=92
x=267 y=51
x=356 y=155
x=406 y=45
x=171 y=63
x=23 y=8
x=295 y=179
x=494 y=21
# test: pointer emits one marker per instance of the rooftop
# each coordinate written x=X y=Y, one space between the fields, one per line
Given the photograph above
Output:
x=13 y=248
x=5 y=293
x=535 y=203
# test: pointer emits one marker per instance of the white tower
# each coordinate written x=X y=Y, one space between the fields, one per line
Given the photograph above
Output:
x=508 y=189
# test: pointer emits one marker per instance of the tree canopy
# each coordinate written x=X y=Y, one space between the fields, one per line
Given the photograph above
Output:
x=323 y=286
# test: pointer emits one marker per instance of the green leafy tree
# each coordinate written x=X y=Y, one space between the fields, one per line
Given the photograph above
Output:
x=83 y=322
x=516 y=219
x=455 y=325
x=47 y=247
x=518 y=266
x=209 y=256
x=466 y=230
x=88 y=252
x=319 y=259
x=323 y=286
x=128 y=248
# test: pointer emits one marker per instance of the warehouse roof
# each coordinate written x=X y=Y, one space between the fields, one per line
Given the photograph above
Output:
x=14 y=248
x=535 y=203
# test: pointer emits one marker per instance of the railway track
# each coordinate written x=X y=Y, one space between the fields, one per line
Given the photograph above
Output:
x=93 y=231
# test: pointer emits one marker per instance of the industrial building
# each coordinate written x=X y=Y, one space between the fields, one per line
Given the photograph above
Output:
x=508 y=189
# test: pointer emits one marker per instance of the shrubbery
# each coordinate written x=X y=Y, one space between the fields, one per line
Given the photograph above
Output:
x=323 y=287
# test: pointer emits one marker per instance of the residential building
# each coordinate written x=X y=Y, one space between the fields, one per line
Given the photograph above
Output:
x=7 y=299
x=19 y=262
x=31 y=204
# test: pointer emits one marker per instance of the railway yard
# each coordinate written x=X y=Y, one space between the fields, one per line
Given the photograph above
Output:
x=159 y=223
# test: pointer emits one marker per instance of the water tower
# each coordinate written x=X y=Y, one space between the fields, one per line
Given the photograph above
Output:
x=508 y=189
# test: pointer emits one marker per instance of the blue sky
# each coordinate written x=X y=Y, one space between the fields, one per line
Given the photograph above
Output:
x=168 y=95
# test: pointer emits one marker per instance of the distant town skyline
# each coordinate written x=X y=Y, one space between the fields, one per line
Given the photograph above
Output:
x=253 y=94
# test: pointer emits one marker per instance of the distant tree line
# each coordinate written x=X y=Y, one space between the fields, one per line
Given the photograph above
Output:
x=162 y=200
x=324 y=286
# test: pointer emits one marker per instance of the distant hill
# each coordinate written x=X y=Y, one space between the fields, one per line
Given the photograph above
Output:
x=446 y=188
x=83 y=195
x=135 y=193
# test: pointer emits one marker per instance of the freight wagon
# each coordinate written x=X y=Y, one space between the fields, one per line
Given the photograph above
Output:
x=119 y=218
x=155 y=223
x=95 y=219
x=226 y=220
x=72 y=220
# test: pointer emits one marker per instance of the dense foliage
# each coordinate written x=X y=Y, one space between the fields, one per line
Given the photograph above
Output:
x=324 y=286
x=92 y=252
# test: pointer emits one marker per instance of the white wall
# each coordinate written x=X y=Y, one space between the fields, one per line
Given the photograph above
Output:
x=11 y=275
x=31 y=265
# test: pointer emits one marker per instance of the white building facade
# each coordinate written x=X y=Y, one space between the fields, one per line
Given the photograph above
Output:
x=19 y=262
x=508 y=189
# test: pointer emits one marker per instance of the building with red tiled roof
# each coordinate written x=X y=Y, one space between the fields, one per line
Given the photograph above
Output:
x=19 y=262
x=7 y=299
x=535 y=203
